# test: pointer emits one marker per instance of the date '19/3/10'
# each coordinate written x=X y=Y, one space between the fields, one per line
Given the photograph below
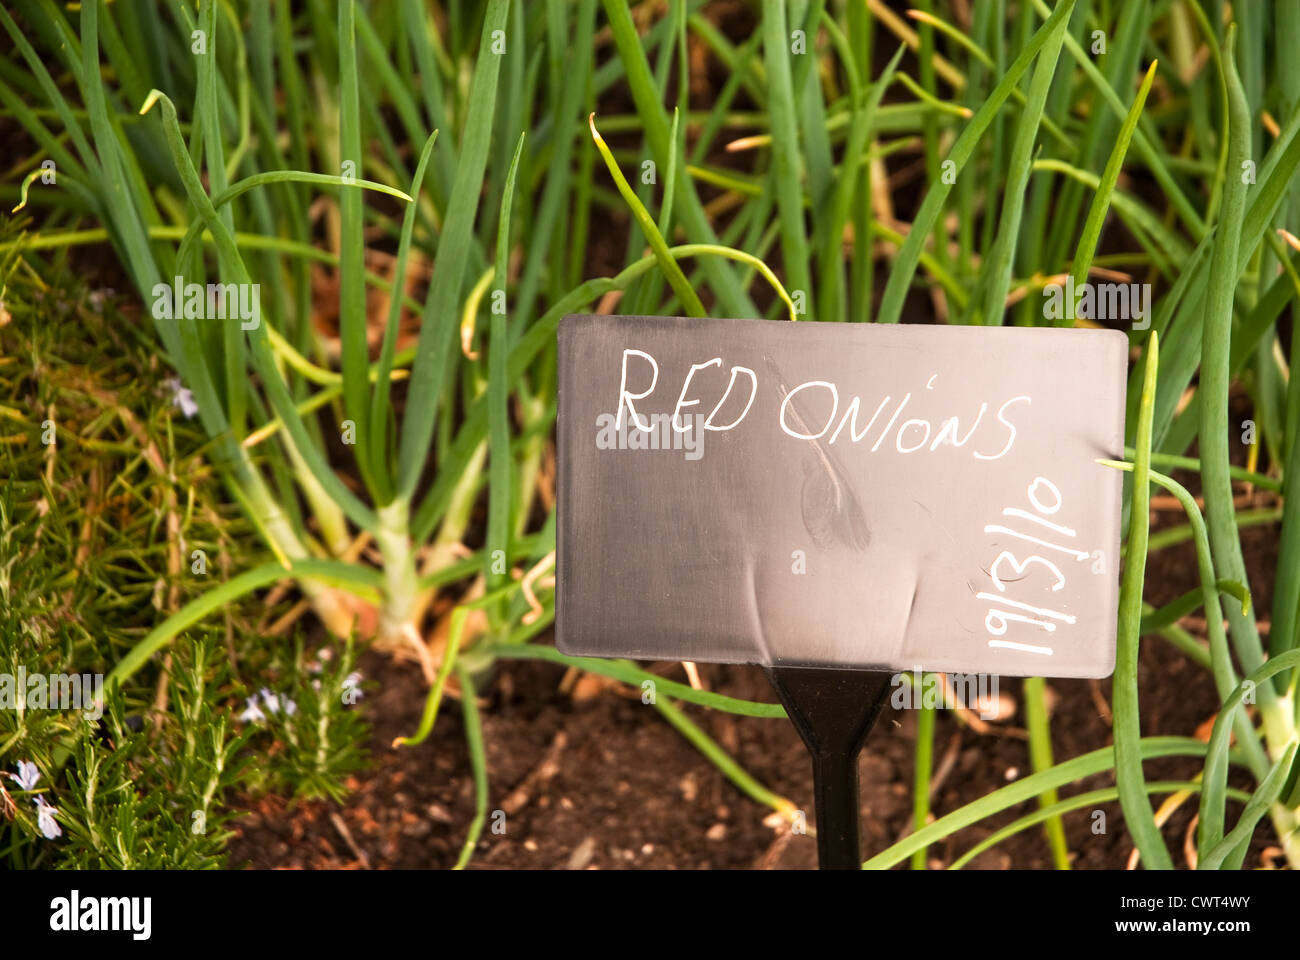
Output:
x=1045 y=499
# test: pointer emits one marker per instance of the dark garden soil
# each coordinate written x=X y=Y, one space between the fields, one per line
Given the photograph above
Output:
x=606 y=783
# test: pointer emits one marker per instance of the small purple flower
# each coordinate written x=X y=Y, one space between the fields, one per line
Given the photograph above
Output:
x=271 y=703
x=182 y=397
x=26 y=776
x=252 y=713
x=45 y=819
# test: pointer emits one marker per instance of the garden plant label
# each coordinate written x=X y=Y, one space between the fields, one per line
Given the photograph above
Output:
x=876 y=497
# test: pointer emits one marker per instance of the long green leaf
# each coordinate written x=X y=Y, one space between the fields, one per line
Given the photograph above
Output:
x=438 y=325
x=1110 y=176
x=1138 y=816
x=501 y=462
x=672 y=272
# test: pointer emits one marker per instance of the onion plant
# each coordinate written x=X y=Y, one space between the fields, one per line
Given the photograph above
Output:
x=441 y=174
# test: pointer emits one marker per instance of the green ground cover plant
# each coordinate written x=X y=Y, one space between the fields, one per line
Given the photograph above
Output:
x=103 y=528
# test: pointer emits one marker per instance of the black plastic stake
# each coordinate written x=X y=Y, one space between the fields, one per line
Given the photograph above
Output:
x=833 y=710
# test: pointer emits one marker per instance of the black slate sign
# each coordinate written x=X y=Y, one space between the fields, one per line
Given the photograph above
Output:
x=846 y=495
